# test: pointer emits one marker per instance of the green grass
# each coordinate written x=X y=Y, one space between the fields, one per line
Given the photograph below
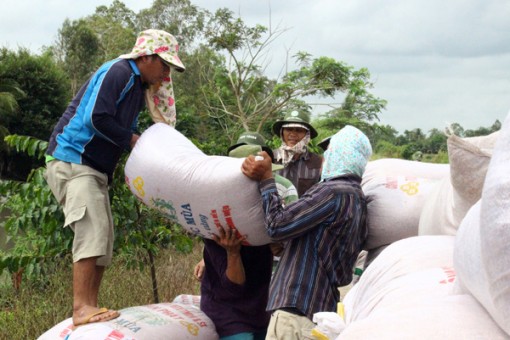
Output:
x=38 y=306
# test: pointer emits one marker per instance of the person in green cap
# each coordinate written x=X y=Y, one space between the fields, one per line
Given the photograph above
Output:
x=285 y=186
x=235 y=278
x=301 y=166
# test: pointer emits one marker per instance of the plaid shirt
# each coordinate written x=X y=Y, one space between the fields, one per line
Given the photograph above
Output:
x=325 y=230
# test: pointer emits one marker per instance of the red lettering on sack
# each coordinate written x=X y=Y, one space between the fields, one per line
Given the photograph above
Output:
x=450 y=275
x=66 y=331
x=230 y=221
x=231 y=224
x=115 y=335
x=192 y=316
x=214 y=215
x=391 y=183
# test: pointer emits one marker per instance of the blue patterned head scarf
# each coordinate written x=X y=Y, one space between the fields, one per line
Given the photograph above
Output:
x=348 y=153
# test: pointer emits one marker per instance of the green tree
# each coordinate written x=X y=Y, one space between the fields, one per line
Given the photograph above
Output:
x=47 y=94
x=484 y=131
x=77 y=50
x=179 y=17
x=10 y=93
x=35 y=222
x=435 y=142
x=456 y=129
x=115 y=29
x=46 y=88
x=244 y=98
x=385 y=149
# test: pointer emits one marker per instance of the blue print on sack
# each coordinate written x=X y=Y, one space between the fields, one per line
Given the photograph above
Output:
x=128 y=324
x=187 y=214
x=166 y=207
x=203 y=222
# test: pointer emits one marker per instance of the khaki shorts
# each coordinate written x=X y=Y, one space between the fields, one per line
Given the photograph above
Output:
x=287 y=326
x=83 y=194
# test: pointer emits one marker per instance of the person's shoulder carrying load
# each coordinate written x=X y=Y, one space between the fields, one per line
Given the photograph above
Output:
x=167 y=172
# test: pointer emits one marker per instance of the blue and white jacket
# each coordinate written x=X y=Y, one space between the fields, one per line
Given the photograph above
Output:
x=98 y=123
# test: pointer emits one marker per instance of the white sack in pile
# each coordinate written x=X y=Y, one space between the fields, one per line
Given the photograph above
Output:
x=447 y=205
x=381 y=279
x=167 y=172
x=188 y=299
x=396 y=190
x=157 y=321
x=408 y=293
x=482 y=255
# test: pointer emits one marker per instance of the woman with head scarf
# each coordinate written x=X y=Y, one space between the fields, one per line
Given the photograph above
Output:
x=324 y=232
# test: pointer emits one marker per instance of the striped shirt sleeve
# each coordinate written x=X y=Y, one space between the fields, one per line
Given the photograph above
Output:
x=296 y=218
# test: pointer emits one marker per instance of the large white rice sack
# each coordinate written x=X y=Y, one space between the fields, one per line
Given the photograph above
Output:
x=495 y=228
x=157 y=321
x=427 y=317
x=396 y=190
x=482 y=256
x=408 y=293
x=447 y=205
x=381 y=279
x=167 y=172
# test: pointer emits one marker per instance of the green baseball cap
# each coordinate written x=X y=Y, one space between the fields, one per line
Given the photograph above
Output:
x=295 y=117
x=252 y=138
x=247 y=150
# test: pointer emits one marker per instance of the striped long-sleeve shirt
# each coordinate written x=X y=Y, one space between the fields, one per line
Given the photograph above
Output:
x=324 y=230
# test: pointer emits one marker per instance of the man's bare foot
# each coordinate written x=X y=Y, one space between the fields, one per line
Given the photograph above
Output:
x=89 y=314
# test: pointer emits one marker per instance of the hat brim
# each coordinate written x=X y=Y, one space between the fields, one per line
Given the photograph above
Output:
x=277 y=126
x=175 y=64
x=179 y=67
x=264 y=148
x=232 y=147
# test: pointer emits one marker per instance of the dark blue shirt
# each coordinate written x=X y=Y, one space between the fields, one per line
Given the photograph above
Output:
x=98 y=123
x=236 y=308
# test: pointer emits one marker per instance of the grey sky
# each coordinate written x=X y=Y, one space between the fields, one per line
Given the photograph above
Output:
x=434 y=61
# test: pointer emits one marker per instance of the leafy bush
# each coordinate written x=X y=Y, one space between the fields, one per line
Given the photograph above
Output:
x=35 y=223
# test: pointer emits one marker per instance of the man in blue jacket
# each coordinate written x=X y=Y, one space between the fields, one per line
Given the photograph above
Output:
x=86 y=145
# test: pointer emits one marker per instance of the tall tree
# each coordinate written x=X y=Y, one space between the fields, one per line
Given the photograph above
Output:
x=179 y=17
x=10 y=93
x=77 y=51
x=244 y=98
x=47 y=94
x=115 y=28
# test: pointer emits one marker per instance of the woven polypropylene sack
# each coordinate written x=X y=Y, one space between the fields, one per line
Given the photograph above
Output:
x=167 y=172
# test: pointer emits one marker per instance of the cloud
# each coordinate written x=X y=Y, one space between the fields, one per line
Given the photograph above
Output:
x=434 y=61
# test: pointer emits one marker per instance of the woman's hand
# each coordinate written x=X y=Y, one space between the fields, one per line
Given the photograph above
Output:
x=229 y=240
x=198 y=272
